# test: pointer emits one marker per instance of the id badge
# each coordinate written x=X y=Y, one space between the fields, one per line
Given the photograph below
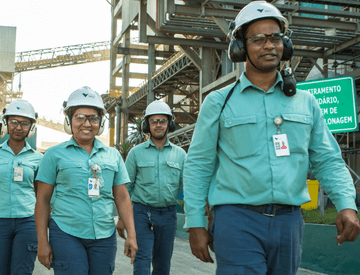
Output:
x=93 y=187
x=281 y=145
x=18 y=174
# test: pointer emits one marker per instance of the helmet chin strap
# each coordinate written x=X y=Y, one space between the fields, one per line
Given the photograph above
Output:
x=253 y=63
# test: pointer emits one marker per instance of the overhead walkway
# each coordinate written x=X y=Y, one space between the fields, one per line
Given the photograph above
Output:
x=62 y=56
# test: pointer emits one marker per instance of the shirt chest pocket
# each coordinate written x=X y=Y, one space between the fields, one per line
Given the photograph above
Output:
x=108 y=172
x=4 y=170
x=298 y=128
x=173 y=172
x=72 y=175
x=146 y=172
x=240 y=136
x=29 y=171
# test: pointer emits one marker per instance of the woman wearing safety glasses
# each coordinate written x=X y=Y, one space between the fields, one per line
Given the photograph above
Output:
x=18 y=167
x=87 y=178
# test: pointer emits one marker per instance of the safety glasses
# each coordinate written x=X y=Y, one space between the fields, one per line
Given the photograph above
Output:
x=81 y=118
x=23 y=124
x=261 y=38
x=162 y=121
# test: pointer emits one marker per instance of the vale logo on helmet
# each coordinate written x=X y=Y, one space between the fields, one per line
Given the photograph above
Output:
x=85 y=95
x=261 y=10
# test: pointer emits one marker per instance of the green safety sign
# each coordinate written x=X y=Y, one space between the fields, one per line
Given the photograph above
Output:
x=336 y=98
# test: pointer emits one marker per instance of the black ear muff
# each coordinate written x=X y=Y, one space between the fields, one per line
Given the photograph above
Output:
x=172 y=126
x=288 y=49
x=145 y=126
x=237 y=51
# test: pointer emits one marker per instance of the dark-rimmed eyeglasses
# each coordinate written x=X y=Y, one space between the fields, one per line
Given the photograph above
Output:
x=162 y=121
x=261 y=38
x=81 y=118
x=23 y=124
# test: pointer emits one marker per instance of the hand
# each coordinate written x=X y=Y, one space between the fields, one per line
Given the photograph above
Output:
x=45 y=255
x=210 y=219
x=131 y=248
x=120 y=227
x=348 y=227
x=199 y=240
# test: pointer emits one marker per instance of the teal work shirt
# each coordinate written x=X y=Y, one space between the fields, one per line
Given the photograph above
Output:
x=155 y=175
x=232 y=159
x=18 y=197
x=66 y=166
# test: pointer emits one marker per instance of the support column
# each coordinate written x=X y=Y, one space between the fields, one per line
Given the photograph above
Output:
x=118 y=125
x=113 y=49
x=111 y=129
x=114 y=132
x=151 y=69
x=125 y=88
x=170 y=99
x=207 y=69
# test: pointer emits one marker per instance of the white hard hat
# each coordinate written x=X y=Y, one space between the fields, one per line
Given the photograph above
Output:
x=20 y=107
x=84 y=96
x=158 y=108
x=258 y=10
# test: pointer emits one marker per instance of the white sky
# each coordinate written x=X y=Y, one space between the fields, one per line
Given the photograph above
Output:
x=45 y=24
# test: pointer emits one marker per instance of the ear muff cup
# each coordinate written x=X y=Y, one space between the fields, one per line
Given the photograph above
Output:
x=67 y=126
x=237 y=50
x=4 y=129
x=102 y=126
x=172 y=126
x=31 y=131
x=145 y=127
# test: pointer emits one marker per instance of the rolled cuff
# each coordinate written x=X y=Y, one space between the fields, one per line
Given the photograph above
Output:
x=345 y=203
x=194 y=221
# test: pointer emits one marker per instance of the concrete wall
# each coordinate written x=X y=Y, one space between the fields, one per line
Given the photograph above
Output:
x=7 y=49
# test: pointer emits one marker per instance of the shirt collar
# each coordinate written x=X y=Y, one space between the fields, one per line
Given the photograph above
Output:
x=245 y=82
x=6 y=147
x=97 y=143
x=149 y=143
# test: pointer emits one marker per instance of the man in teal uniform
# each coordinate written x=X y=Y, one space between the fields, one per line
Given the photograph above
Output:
x=255 y=187
x=155 y=171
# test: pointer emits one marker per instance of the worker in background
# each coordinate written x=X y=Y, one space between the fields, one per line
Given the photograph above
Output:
x=155 y=171
x=87 y=177
x=254 y=187
x=19 y=164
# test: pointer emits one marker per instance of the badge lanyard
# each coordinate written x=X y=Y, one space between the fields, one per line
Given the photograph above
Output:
x=281 y=144
x=94 y=184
